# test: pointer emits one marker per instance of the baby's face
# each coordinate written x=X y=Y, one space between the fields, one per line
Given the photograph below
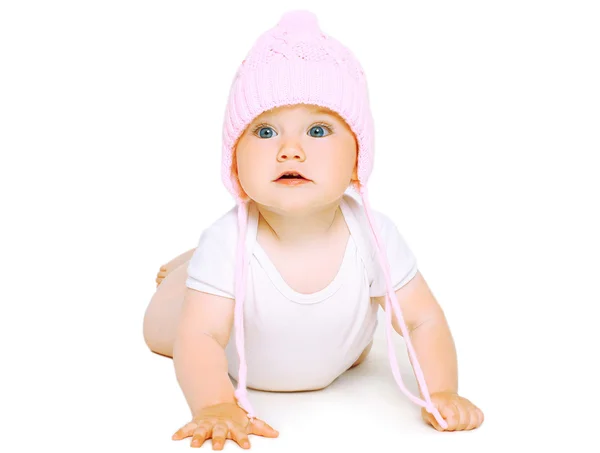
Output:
x=307 y=139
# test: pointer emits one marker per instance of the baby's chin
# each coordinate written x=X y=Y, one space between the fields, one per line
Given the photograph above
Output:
x=295 y=203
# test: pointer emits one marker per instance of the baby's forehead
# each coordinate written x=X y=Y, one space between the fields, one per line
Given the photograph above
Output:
x=306 y=109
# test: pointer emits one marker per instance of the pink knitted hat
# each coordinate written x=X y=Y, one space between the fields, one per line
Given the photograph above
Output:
x=296 y=63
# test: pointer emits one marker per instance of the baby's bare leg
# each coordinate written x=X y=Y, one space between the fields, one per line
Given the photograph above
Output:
x=162 y=315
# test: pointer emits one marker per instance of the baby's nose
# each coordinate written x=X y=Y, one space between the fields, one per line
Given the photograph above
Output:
x=291 y=153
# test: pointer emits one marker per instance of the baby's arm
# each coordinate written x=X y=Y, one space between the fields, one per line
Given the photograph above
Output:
x=199 y=350
x=202 y=372
x=429 y=333
x=434 y=346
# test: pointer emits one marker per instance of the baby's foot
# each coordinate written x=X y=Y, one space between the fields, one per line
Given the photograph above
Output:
x=166 y=269
x=162 y=273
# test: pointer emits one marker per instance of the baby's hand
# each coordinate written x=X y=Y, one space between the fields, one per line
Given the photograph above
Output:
x=458 y=412
x=221 y=422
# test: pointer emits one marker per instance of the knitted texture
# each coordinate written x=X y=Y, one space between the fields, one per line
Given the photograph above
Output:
x=297 y=63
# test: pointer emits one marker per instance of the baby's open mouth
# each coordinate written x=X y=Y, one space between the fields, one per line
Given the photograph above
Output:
x=291 y=175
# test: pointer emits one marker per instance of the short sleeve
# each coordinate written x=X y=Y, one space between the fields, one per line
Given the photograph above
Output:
x=212 y=266
x=402 y=261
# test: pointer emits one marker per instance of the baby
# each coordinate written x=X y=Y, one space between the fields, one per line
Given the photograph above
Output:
x=282 y=292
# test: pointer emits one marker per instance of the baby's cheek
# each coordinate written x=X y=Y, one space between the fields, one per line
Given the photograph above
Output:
x=247 y=168
x=254 y=178
x=340 y=170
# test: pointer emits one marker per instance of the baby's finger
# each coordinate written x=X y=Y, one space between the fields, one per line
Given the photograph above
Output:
x=431 y=420
x=481 y=417
x=239 y=435
x=201 y=433
x=219 y=435
x=185 y=431
x=473 y=418
x=260 y=428
x=450 y=414
x=464 y=417
x=478 y=416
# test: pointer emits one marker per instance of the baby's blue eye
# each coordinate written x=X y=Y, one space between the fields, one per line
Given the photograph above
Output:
x=266 y=132
x=319 y=131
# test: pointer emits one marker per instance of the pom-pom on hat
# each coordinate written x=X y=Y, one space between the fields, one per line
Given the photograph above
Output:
x=295 y=62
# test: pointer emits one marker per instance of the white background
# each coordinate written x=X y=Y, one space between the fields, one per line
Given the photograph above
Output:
x=487 y=117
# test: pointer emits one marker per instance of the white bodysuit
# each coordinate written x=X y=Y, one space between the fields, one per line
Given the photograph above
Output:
x=300 y=341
